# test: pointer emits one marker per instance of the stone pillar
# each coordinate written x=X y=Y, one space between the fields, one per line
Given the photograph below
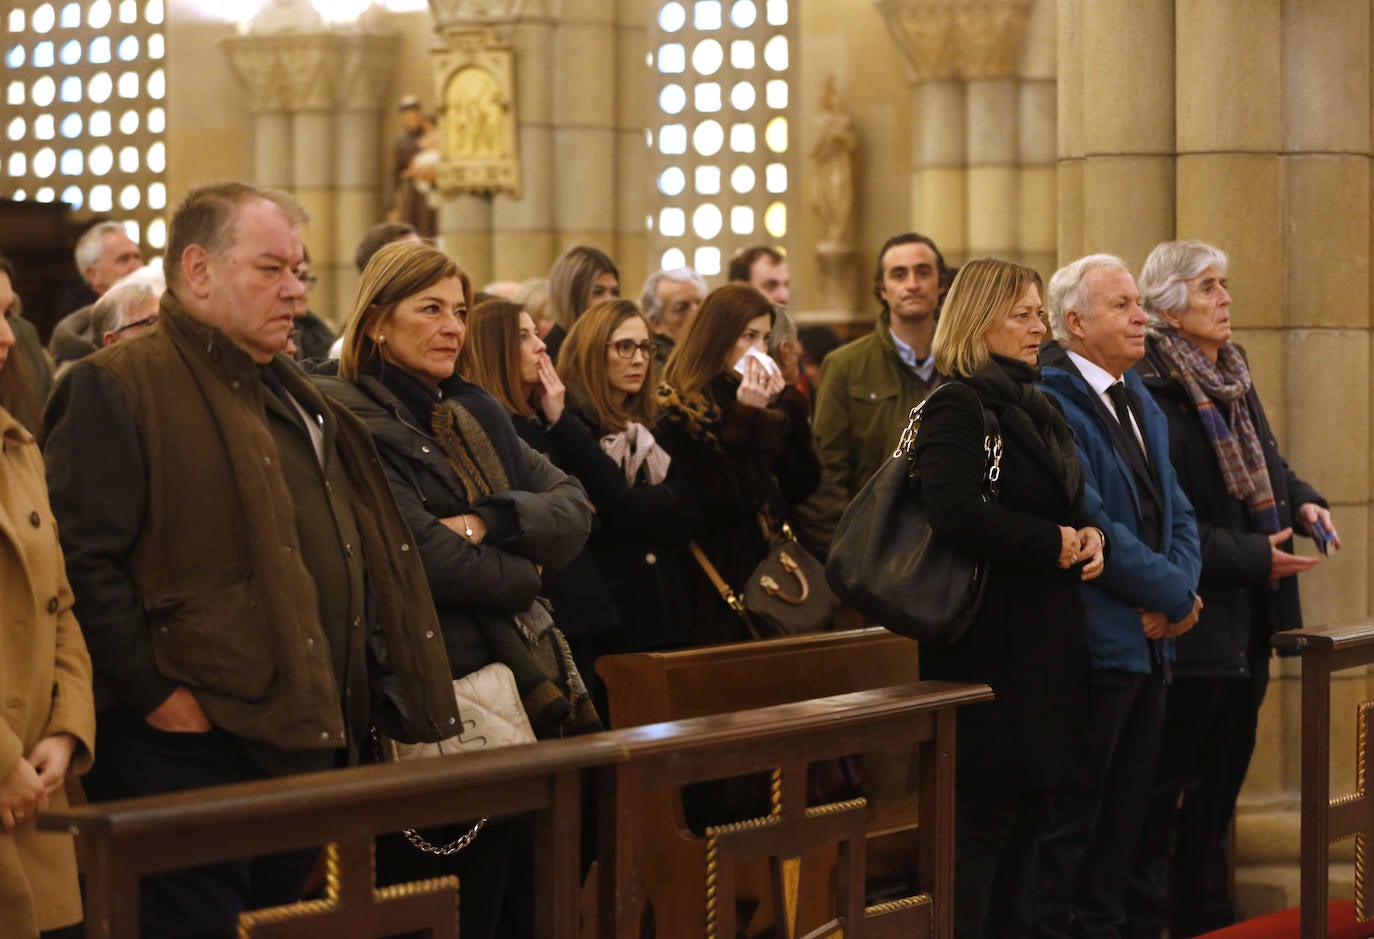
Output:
x=585 y=133
x=969 y=103
x=523 y=244
x=318 y=96
x=1249 y=126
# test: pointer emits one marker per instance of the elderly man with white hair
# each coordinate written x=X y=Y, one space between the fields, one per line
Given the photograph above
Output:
x=1143 y=600
x=104 y=255
x=669 y=300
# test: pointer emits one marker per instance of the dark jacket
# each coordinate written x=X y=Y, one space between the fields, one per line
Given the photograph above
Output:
x=313 y=337
x=543 y=519
x=640 y=545
x=1137 y=576
x=1027 y=640
x=582 y=606
x=865 y=394
x=182 y=548
x=760 y=462
x=1238 y=606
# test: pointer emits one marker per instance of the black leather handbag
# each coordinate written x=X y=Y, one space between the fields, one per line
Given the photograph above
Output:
x=887 y=563
x=786 y=594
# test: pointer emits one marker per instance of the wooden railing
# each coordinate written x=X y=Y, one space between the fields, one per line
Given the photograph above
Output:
x=1326 y=819
x=122 y=840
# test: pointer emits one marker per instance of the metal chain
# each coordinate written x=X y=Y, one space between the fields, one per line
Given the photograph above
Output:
x=414 y=837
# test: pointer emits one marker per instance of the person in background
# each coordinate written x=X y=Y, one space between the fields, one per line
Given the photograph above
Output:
x=312 y=335
x=645 y=509
x=1026 y=641
x=740 y=436
x=669 y=300
x=48 y=726
x=581 y=277
x=30 y=370
x=104 y=255
x=504 y=356
x=533 y=297
x=764 y=268
x=817 y=342
x=1249 y=503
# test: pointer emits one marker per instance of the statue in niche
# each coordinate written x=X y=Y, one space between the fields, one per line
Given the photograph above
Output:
x=287 y=16
x=476 y=115
x=832 y=159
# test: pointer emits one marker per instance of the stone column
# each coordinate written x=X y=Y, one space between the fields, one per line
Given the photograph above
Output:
x=318 y=95
x=965 y=64
x=631 y=157
x=523 y=243
x=585 y=96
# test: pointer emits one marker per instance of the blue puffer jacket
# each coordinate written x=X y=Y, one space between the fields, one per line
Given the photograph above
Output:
x=1135 y=577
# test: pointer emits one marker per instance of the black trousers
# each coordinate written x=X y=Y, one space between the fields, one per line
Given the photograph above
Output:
x=202 y=902
x=1182 y=873
x=1089 y=847
x=996 y=831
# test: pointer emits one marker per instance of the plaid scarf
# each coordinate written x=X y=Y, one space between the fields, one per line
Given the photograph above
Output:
x=1235 y=440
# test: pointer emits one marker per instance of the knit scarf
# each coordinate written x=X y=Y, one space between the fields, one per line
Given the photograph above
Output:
x=1233 y=436
x=1008 y=388
x=551 y=689
x=635 y=448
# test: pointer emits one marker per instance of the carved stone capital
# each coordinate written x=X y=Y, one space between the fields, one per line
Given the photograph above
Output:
x=958 y=39
x=465 y=15
x=315 y=71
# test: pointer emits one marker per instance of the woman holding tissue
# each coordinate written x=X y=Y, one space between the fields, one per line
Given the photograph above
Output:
x=47 y=730
x=741 y=438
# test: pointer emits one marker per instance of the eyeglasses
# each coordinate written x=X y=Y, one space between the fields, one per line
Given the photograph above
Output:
x=136 y=324
x=625 y=348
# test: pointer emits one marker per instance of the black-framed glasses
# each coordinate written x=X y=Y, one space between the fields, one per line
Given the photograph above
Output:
x=136 y=324
x=625 y=348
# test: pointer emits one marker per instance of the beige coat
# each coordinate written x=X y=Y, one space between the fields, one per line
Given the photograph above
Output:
x=45 y=686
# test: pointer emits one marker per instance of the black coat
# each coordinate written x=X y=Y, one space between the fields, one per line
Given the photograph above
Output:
x=1027 y=640
x=640 y=545
x=543 y=519
x=1239 y=608
x=582 y=606
x=765 y=463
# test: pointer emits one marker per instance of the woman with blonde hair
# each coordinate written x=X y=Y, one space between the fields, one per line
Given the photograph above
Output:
x=645 y=508
x=1027 y=638
x=486 y=512
x=47 y=730
x=581 y=277
x=741 y=439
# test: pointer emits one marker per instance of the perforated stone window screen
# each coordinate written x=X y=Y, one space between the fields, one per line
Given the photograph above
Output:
x=720 y=121
x=84 y=114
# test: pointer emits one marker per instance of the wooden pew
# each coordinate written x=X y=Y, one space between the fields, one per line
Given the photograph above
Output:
x=649 y=687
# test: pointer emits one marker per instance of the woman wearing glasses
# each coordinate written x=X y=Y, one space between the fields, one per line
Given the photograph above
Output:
x=646 y=512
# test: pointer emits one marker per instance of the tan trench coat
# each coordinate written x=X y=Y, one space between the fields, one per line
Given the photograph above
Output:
x=45 y=686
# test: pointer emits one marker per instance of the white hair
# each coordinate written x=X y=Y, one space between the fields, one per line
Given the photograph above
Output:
x=111 y=311
x=1068 y=290
x=1163 y=280
x=92 y=243
x=649 y=301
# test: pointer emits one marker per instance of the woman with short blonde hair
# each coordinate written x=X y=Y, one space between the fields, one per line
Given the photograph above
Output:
x=1035 y=543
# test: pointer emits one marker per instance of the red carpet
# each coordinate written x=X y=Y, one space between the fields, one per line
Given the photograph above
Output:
x=1285 y=923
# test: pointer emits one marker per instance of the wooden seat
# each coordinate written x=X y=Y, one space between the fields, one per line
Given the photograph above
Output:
x=646 y=688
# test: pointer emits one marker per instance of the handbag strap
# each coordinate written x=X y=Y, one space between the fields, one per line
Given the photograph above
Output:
x=732 y=599
x=992 y=441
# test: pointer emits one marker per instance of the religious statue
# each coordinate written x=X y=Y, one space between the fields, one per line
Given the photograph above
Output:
x=832 y=158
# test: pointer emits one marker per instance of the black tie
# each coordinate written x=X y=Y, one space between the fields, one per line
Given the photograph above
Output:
x=1122 y=405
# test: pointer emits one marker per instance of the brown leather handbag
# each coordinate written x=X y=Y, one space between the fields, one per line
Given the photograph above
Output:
x=785 y=595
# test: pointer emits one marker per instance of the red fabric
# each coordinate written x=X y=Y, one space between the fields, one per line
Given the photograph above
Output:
x=1285 y=923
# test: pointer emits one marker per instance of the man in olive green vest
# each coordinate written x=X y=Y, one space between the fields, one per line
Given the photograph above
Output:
x=243 y=578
